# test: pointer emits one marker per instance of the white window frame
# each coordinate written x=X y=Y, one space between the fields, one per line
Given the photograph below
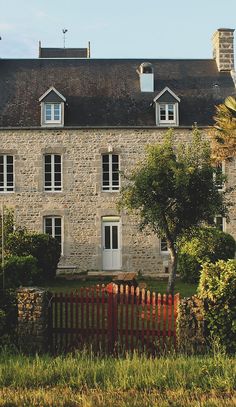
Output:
x=53 y=187
x=167 y=121
x=53 y=218
x=52 y=109
x=111 y=187
x=223 y=229
x=166 y=108
x=7 y=187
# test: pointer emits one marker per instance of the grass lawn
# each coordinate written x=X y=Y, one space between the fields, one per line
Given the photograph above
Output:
x=84 y=380
x=64 y=285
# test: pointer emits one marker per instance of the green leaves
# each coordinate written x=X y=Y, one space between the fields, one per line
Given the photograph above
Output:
x=218 y=289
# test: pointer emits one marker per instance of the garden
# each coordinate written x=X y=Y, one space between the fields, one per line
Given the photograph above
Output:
x=199 y=370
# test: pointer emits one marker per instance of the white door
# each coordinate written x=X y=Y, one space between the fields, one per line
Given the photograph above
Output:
x=111 y=243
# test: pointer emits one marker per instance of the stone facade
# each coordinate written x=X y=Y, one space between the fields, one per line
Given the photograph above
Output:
x=223 y=49
x=82 y=204
x=33 y=319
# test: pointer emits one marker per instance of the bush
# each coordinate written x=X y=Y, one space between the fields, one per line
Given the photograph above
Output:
x=21 y=270
x=206 y=244
x=8 y=317
x=43 y=247
x=217 y=288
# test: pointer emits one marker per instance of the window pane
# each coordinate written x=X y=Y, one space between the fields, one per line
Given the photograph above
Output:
x=48 y=159
x=114 y=237
x=162 y=112
x=164 y=247
x=48 y=225
x=48 y=111
x=107 y=237
x=170 y=112
x=57 y=111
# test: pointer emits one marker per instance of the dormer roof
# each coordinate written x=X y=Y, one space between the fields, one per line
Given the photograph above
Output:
x=164 y=96
x=52 y=95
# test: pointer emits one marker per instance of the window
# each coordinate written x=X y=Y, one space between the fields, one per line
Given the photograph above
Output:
x=52 y=172
x=167 y=112
x=220 y=222
x=110 y=172
x=6 y=173
x=167 y=108
x=163 y=246
x=52 y=112
x=53 y=227
x=219 y=172
x=52 y=108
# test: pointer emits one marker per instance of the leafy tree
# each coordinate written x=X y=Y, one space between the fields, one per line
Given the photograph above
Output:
x=174 y=189
x=223 y=133
x=200 y=245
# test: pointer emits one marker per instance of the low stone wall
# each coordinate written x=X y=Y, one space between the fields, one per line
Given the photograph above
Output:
x=33 y=319
x=191 y=326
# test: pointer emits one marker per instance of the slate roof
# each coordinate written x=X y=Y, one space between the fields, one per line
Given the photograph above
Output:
x=106 y=92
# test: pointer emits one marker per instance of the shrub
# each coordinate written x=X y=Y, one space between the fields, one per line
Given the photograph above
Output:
x=43 y=247
x=201 y=245
x=21 y=270
x=8 y=317
x=217 y=288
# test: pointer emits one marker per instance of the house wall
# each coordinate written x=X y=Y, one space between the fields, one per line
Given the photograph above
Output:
x=82 y=203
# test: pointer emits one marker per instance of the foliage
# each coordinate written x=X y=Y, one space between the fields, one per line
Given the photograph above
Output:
x=173 y=189
x=200 y=245
x=217 y=288
x=8 y=317
x=43 y=247
x=21 y=270
x=8 y=225
x=223 y=134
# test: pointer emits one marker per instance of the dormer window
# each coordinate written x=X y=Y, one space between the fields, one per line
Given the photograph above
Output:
x=146 y=77
x=52 y=112
x=52 y=108
x=167 y=108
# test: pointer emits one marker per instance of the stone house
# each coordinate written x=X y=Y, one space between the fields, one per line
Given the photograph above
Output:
x=69 y=124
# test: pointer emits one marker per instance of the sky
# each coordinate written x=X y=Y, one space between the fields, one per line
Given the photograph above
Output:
x=116 y=29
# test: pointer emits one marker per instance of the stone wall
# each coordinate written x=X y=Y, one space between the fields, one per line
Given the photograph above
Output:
x=33 y=320
x=82 y=203
x=191 y=326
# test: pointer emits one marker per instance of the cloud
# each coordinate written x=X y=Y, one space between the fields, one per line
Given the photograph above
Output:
x=40 y=14
x=5 y=27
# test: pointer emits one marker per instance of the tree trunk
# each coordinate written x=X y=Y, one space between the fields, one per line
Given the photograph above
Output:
x=172 y=275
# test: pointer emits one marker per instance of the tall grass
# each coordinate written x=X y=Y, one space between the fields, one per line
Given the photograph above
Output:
x=88 y=380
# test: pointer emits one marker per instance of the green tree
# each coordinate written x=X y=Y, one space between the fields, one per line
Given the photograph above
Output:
x=223 y=133
x=173 y=189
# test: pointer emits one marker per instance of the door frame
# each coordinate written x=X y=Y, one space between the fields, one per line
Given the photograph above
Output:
x=117 y=254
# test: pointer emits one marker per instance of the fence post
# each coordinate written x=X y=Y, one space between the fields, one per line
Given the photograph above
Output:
x=33 y=319
x=112 y=327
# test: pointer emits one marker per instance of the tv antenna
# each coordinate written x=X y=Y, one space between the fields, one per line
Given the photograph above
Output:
x=64 y=31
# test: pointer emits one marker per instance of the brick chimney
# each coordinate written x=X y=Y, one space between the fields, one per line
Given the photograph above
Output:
x=223 y=48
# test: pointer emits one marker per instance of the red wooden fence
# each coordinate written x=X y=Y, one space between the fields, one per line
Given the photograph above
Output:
x=114 y=320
